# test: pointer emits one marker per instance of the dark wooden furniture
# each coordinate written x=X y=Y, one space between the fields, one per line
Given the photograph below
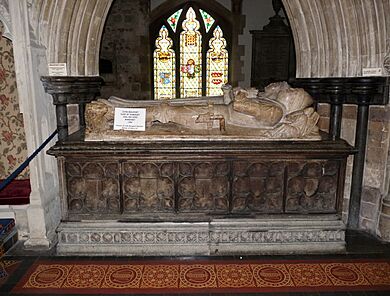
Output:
x=273 y=54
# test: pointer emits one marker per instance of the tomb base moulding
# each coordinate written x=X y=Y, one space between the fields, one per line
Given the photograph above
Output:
x=267 y=235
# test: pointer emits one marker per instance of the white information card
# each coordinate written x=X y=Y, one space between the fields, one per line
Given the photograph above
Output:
x=57 y=69
x=130 y=119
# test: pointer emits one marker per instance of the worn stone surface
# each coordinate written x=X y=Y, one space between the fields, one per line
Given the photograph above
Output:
x=279 y=113
x=73 y=118
x=147 y=188
x=219 y=237
x=338 y=38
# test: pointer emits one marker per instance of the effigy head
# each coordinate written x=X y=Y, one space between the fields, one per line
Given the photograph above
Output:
x=272 y=90
x=294 y=99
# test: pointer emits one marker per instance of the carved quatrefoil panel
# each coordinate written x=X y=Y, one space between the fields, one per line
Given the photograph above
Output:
x=204 y=187
x=312 y=187
x=148 y=187
x=258 y=187
x=93 y=188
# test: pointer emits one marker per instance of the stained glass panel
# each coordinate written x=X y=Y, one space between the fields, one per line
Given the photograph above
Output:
x=207 y=19
x=190 y=57
x=164 y=67
x=173 y=19
x=217 y=64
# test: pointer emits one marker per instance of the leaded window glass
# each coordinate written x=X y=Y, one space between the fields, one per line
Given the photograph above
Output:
x=164 y=67
x=217 y=63
x=207 y=19
x=190 y=57
x=174 y=19
x=191 y=54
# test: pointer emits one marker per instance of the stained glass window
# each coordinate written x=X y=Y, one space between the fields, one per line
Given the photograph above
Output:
x=217 y=64
x=164 y=67
x=174 y=19
x=207 y=19
x=190 y=56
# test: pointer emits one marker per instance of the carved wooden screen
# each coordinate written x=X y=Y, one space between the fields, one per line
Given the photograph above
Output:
x=190 y=54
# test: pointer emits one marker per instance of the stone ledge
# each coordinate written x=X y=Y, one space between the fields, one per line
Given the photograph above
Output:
x=320 y=234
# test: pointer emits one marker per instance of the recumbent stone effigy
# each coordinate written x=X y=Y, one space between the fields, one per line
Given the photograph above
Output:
x=278 y=113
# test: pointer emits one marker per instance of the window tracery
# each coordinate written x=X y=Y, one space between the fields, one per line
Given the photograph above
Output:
x=191 y=55
x=217 y=63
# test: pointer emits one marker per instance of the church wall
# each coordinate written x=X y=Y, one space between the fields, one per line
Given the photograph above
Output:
x=129 y=57
x=375 y=182
x=37 y=221
x=333 y=38
x=257 y=14
x=125 y=42
x=13 y=149
x=155 y=3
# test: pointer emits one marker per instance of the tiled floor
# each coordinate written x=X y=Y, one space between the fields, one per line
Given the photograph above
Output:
x=359 y=245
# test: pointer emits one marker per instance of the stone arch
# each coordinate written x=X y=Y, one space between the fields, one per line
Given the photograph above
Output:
x=332 y=38
x=72 y=31
x=338 y=38
x=6 y=23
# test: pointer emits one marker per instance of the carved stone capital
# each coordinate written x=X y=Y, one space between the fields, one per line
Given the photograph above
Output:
x=72 y=89
x=356 y=90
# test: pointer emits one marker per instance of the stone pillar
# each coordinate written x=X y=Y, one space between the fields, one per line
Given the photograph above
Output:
x=384 y=217
x=43 y=213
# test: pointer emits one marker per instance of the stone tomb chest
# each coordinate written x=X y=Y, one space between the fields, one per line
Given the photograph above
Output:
x=197 y=194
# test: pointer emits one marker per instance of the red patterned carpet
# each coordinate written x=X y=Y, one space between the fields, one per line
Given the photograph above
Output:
x=217 y=276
